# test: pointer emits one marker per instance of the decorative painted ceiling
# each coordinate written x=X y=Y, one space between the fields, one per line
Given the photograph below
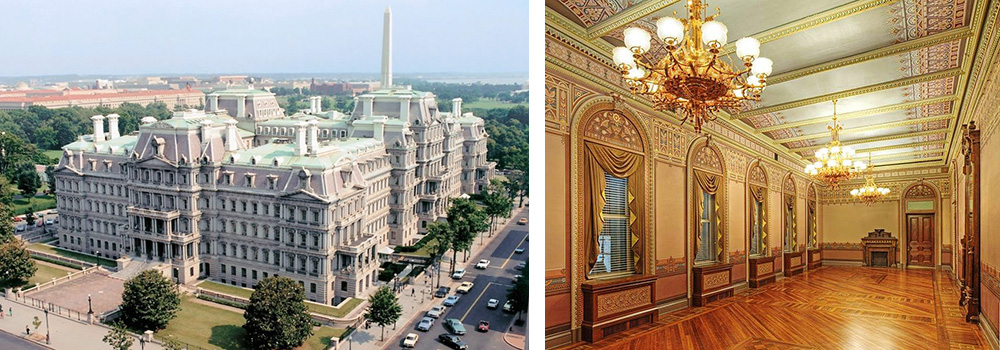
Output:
x=897 y=67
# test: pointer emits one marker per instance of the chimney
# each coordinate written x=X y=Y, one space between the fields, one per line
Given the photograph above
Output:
x=205 y=134
x=367 y=103
x=300 y=139
x=113 y=126
x=98 y=128
x=313 y=137
x=147 y=120
x=404 y=108
x=232 y=138
x=378 y=129
x=213 y=102
x=319 y=104
x=456 y=107
x=387 y=49
x=241 y=106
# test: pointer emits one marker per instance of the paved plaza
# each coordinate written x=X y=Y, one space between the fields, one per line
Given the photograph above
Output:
x=105 y=291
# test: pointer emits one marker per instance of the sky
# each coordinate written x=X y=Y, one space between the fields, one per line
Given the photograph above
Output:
x=124 y=37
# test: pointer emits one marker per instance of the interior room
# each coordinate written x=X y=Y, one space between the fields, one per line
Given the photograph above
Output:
x=772 y=174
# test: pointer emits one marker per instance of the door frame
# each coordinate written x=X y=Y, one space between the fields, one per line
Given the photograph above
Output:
x=934 y=236
x=906 y=196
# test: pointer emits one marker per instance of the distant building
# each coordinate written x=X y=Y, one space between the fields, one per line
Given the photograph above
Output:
x=12 y=100
x=343 y=88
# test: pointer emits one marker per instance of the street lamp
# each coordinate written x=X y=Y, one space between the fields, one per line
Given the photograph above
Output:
x=90 y=305
x=47 y=326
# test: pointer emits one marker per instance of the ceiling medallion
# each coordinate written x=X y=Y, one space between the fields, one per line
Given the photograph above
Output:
x=870 y=192
x=834 y=163
x=692 y=79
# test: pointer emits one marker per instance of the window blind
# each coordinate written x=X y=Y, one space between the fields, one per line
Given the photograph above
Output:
x=614 y=239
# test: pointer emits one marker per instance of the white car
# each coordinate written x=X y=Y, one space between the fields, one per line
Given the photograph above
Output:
x=458 y=274
x=425 y=324
x=492 y=304
x=410 y=340
x=451 y=300
x=435 y=311
x=464 y=288
x=508 y=306
x=483 y=264
x=49 y=222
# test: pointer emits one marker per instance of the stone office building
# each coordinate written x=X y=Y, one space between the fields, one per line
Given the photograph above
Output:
x=312 y=196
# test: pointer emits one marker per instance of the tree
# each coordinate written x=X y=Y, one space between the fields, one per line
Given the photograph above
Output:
x=443 y=236
x=118 y=338
x=276 y=316
x=7 y=191
x=466 y=220
x=50 y=178
x=36 y=322
x=16 y=265
x=27 y=179
x=518 y=294
x=14 y=152
x=172 y=344
x=149 y=301
x=383 y=308
x=498 y=203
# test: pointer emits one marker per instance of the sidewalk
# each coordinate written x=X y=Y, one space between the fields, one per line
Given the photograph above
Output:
x=65 y=333
x=515 y=335
x=415 y=304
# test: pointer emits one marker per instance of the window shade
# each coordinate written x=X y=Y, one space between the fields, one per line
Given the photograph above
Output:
x=614 y=239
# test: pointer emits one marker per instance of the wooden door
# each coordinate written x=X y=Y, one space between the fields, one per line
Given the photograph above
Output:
x=920 y=232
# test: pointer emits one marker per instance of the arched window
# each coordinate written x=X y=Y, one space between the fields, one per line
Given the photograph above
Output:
x=757 y=210
x=812 y=233
x=613 y=181
x=709 y=203
x=790 y=225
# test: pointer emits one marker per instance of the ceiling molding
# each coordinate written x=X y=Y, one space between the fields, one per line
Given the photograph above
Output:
x=862 y=113
x=578 y=34
x=911 y=161
x=812 y=21
x=905 y=145
x=908 y=154
x=876 y=139
x=854 y=92
x=973 y=63
x=623 y=18
x=871 y=127
x=906 y=46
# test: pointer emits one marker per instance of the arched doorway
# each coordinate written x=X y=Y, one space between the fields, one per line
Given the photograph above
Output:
x=920 y=217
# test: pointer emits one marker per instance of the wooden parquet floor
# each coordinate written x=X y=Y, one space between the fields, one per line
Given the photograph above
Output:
x=829 y=308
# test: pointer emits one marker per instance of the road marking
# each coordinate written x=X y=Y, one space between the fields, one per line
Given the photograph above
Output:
x=512 y=253
x=474 y=302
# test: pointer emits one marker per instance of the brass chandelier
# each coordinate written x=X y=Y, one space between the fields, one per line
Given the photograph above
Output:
x=870 y=192
x=692 y=79
x=834 y=163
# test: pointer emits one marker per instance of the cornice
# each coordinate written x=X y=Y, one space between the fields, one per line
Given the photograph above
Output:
x=630 y=15
x=906 y=46
x=875 y=139
x=872 y=127
x=923 y=78
x=907 y=145
x=908 y=154
x=972 y=62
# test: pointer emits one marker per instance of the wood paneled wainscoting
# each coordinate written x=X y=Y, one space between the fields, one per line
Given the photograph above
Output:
x=711 y=283
x=793 y=263
x=617 y=305
x=832 y=307
x=815 y=258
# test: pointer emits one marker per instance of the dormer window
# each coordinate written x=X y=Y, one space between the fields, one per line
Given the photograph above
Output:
x=272 y=182
x=343 y=133
x=249 y=180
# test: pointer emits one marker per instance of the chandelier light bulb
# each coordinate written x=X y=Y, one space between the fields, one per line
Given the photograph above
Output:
x=861 y=165
x=623 y=58
x=635 y=73
x=754 y=81
x=713 y=34
x=761 y=66
x=847 y=162
x=738 y=93
x=835 y=150
x=748 y=49
x=670 y=30
x=637 y=39
x=854 y=192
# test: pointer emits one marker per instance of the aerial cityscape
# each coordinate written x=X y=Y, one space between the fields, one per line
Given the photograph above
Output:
x=265 y=211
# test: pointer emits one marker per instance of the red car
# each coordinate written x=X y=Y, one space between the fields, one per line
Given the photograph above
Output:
x=484 y=326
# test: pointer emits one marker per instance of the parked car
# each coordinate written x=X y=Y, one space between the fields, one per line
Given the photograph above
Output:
x=523 y=221
x=483 y=264
x=442 y=292
x=453 y=341
x=49 y=221
x=451 y=300
x=454 y=326
x=21 y=227
x=464 y=287
x=519 y=266
x=508 y=306
x=458 y=274
x=492 y=304
x=425 y=324
x=519 y=251
x=484 y=326
x=410 y=340
x=435 y=311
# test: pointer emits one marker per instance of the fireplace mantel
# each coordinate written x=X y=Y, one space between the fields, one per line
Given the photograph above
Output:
x=880 y=242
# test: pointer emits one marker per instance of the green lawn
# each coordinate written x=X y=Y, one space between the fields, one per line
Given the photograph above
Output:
x=333 y=311
x=226 y=289
x=47 y=272
x=71 y=254
x=54 y=154
x=23 y=206
x=215 y=328
x=490 y=104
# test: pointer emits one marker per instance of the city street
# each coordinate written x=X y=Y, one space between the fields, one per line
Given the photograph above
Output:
x=491 y=283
